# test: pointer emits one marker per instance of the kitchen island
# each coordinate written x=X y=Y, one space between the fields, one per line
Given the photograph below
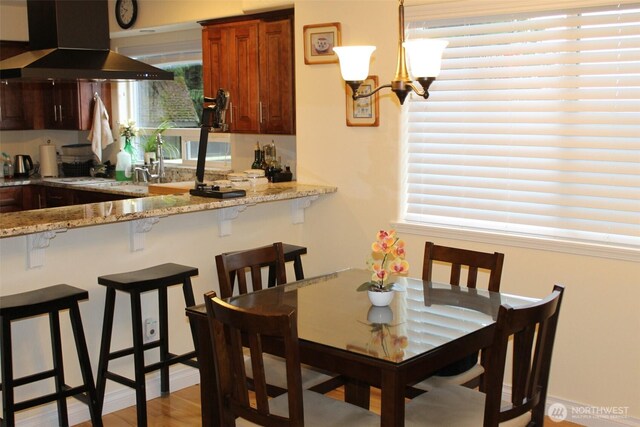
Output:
x=82 y=242
x=63 y=218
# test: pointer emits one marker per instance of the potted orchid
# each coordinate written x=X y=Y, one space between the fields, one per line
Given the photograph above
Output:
x=387 y=259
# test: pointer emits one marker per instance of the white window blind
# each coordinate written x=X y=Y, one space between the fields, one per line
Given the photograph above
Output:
x=532 y=127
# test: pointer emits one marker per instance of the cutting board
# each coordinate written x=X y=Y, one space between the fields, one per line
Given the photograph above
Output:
x=171 y=187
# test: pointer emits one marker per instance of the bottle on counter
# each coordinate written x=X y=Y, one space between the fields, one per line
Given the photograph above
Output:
x=123 y=166
x=7 y=167
x=263 y=161
x=257 y=158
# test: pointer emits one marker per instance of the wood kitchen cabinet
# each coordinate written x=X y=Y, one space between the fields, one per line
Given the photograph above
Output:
x=55 y=197
x=11 y=199
x=252 y=58
x=69 y=105
x=20 y=198
x=14 y=104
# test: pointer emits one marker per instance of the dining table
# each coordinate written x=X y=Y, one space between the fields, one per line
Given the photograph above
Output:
x=427 y=326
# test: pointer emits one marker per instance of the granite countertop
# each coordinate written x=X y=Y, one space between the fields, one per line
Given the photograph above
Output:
x=140 y=206
x=99 y=185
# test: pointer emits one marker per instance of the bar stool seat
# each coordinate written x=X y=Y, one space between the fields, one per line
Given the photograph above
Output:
x=49 y=300
x=157 y=278
x=292 y=253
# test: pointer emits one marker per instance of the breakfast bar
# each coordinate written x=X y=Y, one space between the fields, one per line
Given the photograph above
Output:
x=41 y=225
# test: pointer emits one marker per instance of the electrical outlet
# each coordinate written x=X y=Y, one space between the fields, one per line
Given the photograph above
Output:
x=150 y=328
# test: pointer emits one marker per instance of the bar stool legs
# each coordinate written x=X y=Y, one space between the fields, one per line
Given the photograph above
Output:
x=50 y=300
x=157 y=278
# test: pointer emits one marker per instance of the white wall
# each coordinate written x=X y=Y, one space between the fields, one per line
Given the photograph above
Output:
x=597 y=356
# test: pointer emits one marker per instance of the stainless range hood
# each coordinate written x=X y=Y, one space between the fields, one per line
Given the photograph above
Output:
x=69 y=40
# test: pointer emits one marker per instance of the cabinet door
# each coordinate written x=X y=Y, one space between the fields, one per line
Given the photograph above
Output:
x=244 y=78
x=10 y=199
x=61 y=105
x=12 y=107
x=86 y=101
x=276 y=78
x=33 y=197
x=70 y=105
x=58 y=196
x=215 y=60
x=230 y=62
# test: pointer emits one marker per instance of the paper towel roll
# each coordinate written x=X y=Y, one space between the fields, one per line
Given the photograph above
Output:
x=48 y=161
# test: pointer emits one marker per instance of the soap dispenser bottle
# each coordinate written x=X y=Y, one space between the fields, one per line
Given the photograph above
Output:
x=123 y=166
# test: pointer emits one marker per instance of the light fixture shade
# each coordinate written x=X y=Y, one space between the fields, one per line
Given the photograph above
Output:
x=354 y=61
x=424 y=56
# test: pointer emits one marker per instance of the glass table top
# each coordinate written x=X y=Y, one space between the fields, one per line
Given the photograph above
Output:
x=421 y=317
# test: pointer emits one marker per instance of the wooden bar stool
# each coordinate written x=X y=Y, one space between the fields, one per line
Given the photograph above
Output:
x=50 y=300
x=292 y=253
x=157 y=278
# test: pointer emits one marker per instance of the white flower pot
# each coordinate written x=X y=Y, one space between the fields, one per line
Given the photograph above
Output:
x=380 y=315
x=380 y=299
x=149 y=157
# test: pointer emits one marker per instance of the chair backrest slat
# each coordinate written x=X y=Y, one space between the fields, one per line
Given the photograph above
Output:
x=533 y=328
x=458 y=258
x=234 y=265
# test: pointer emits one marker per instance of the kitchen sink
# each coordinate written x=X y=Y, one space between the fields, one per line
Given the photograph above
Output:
x=81 y=180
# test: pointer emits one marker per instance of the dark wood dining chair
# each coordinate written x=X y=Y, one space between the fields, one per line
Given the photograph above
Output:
x=458 y=257
x=465 y=371
x=228 y=326
x=241 y=264
x=533 y=329
x=234 y=266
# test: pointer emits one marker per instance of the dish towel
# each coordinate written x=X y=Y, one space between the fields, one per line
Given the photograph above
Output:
x=100 y=135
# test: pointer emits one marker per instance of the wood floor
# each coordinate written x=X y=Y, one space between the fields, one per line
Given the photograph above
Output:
x=182 y=409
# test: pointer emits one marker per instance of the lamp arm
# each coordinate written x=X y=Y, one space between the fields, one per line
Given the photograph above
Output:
x=357 y=95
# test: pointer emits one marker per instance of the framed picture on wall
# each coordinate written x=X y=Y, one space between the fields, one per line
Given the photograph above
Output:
x=319 y=40
x=363 y=111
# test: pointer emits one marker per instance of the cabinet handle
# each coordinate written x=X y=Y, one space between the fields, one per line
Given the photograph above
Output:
x=230 y=112
x=55 y=113
x=260 y=112
x=60 y=106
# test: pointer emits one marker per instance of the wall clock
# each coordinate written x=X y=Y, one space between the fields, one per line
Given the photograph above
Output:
x=126 y=12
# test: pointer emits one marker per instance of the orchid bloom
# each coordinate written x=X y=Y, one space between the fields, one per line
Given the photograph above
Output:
x=398 y=249
x=399 y=266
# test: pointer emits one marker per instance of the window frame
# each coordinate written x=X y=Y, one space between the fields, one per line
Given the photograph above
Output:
x=187 y=50
x=460 y=232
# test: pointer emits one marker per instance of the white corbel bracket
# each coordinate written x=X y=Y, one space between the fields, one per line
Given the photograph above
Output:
x=36 y=245
x=298 y=206
x=225 y=216
x=137 y=230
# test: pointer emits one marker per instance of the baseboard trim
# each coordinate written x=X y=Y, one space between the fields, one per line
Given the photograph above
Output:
x=113 y=401
x=186 y=377
x=582 y=414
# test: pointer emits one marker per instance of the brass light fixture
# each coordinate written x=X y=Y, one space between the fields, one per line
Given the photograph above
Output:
x=425 y=57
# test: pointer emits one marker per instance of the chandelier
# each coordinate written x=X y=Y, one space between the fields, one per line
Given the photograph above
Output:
x=425 y=57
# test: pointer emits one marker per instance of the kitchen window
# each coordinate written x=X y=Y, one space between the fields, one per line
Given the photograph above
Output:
x=531 y=132
x=174 y=106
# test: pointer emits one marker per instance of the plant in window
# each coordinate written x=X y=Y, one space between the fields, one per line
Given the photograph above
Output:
x=148 y=144
x=387 y=258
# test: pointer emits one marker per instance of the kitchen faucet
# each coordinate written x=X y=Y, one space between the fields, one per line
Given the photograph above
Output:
x=147 y=175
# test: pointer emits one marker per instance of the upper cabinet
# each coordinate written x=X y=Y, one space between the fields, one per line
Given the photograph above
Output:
x=253 y=60
x=69 y=105
x=47 y=105
x=14 y=111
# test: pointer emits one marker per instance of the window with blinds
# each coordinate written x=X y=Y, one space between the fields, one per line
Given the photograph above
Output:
x=532 y=127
